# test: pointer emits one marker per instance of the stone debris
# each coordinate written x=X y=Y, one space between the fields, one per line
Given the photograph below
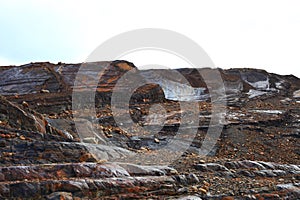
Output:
x=46 y=154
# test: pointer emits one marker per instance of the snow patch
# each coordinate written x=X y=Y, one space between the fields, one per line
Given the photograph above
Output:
x=255 y=93
x=260 y=84
x=177 y=91
x=279 y=85
x=267 y=111
x=181 y=92
x=296 y=94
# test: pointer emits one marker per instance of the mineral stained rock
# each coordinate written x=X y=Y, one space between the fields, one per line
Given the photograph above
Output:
x=53 y=149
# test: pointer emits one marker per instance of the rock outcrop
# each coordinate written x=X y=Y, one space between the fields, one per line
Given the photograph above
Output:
x=45 y=153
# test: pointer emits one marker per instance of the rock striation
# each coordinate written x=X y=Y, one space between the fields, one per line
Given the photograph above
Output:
x=45 y=153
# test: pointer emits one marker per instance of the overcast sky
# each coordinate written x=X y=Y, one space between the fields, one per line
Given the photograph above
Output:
x=254 y=34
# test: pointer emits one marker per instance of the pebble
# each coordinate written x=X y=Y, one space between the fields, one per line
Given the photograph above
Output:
x=143 y=148
x=7 y=154
x=156 y=140
x=206 y=183
x=22 y=137
x=193 y=189
x=25 y=104
x=205 y=187
x=202 y=190
x=45 y=91
x=201 y=161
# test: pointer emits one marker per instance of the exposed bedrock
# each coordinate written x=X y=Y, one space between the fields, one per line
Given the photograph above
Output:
x=47 y=153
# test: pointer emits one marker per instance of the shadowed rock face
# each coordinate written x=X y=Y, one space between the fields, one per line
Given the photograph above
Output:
x=41 y=156
x=16 y=117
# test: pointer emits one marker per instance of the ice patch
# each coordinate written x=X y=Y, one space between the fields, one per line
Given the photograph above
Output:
x=286 y=100
x=296 y=94
x=290 y=187
x=181 y=92
x=279 y=85
x=177 y=91
x=267 y=111
x=260 y=84
x=255 y=93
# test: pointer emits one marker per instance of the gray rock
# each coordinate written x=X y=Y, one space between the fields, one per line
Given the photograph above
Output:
x=25 y=190
x=60 y=196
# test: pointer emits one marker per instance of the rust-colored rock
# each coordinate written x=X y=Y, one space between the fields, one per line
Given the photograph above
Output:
x=42 y=155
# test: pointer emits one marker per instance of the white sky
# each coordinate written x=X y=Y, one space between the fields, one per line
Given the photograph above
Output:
x=256 y=34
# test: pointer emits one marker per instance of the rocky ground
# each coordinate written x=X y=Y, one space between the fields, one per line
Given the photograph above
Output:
x=51 y=150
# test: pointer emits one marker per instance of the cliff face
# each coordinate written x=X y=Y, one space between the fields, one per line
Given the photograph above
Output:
x=52 y=84
x=255 y=157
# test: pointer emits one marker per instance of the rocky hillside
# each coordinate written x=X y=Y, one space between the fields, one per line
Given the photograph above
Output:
x=49 y=150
